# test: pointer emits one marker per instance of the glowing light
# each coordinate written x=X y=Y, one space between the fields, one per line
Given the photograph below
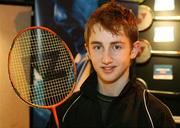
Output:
x=167 y=17
x=164 y=34
x=164 y=5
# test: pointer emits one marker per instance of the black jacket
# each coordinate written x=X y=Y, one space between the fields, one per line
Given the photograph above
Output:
x=128 y=110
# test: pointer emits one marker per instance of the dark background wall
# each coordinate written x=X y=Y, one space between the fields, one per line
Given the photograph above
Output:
x=167 y=90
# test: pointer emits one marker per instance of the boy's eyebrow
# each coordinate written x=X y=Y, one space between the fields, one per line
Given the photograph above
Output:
x=114 y=42
x=117 y=42
x=95 y=42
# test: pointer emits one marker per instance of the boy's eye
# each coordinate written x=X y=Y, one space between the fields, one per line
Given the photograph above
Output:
x=116 y=47
x=97 y=47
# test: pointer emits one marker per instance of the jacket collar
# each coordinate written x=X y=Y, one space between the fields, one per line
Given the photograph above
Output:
x=89 y=87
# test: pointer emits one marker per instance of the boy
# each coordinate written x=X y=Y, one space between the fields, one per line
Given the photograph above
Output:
x=111 y=97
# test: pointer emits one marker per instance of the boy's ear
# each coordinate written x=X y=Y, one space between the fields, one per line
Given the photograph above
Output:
x=87 y=49
x=85 y=45
x=135 y=50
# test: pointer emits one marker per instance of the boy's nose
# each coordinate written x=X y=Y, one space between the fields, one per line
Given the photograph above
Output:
x=106 y=57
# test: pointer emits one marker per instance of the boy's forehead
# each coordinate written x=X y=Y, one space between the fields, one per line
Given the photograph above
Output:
x=100 y=34
x=98 y=28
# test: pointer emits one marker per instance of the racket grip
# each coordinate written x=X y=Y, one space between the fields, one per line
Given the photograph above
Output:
x=55 y=117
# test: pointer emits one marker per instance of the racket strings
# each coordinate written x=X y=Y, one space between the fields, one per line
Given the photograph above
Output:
x=37 y=95
x=56 y=89
x=28 y=41
x=43 y=71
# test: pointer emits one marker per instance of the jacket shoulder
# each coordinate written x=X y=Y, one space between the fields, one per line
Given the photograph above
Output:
x=156 y=110
x=159 y=112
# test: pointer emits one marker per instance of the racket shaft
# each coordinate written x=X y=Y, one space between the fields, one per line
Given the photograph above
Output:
x=55 y=117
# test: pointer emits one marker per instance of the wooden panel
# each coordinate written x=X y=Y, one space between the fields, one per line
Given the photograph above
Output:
x=14 y=113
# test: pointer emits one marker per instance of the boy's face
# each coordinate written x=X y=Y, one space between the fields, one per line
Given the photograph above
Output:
x=110 y=54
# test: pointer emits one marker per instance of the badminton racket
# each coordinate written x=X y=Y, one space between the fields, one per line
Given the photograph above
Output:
x=41 y=68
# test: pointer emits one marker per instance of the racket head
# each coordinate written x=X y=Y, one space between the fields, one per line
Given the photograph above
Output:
x=41 y=67
x=145 y=51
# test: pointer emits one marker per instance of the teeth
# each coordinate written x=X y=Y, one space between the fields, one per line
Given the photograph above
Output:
x=107 y=68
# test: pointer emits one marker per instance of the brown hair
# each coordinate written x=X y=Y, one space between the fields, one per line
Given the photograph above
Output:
x=113 y=17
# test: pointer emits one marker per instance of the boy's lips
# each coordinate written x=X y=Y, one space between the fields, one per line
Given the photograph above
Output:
x=108 y=69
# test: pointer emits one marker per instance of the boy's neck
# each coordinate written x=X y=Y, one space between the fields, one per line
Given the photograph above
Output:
x=115 y=88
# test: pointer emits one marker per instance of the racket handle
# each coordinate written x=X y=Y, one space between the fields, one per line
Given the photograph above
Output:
x=55 y=117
